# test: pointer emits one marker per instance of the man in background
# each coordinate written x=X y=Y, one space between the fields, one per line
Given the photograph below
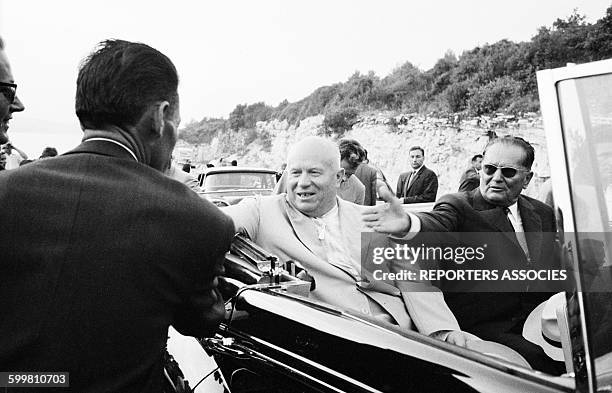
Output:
x=351 y=156
x=48 y=152
x=470 y=179
x=421 y=183
x=104 y=251
x=368 y=176
x=9 y=102
x=184 y=177
x=14 y=156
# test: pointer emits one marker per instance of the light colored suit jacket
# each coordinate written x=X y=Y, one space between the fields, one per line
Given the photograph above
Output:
x=275 y=225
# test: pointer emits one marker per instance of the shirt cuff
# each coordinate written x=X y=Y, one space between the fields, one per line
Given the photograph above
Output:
x=415 y=227
x=440 y=334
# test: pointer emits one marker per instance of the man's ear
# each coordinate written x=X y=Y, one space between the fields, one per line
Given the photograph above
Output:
x=527 y=179
x=158 y=118
x=339 y=175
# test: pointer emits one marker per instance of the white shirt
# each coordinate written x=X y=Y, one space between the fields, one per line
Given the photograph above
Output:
x=330 y=234
x=515 y=218
x=13 y=160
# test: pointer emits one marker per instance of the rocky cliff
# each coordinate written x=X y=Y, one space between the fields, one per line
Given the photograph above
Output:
x=448 y=143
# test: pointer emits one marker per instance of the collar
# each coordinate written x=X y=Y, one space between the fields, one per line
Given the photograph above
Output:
x=329 y=213
x=333 y=212
x=514 y=210
x=116 y=143
x=415 y=171
x=127 y=136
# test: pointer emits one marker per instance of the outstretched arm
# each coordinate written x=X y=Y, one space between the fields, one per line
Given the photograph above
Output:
x=387 y=218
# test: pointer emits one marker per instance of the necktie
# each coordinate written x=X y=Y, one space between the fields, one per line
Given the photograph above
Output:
x=412 y=176
x=408 y=183
x=520 y=235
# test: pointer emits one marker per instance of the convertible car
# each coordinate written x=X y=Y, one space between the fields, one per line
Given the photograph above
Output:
x=277 y=339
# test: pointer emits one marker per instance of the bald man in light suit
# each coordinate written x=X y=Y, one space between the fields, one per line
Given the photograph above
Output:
x=310 y=224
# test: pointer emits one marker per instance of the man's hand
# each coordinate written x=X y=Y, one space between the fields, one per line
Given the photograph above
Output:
x=460 y=338
x=388 y=218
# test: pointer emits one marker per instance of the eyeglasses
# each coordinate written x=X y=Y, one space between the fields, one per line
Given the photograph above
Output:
x=9 y=90
x=507 y=171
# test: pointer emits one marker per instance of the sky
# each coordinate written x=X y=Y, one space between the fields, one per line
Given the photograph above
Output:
x=245 y=51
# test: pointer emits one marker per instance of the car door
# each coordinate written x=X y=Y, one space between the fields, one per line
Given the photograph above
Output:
x=576 y=104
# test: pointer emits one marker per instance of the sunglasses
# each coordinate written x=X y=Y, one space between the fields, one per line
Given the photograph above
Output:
x=9 y=90
x=507 y=171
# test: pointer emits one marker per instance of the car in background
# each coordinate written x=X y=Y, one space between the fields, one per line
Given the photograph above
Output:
x=228 y=185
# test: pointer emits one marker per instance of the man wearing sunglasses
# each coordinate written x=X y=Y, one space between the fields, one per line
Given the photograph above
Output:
x=9 y=102
x=520 y=230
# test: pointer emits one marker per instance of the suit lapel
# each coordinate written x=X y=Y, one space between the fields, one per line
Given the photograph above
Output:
x=350 y=222
x=406 y=182
x=305 y=230
x=495 y=216
x=532 y=225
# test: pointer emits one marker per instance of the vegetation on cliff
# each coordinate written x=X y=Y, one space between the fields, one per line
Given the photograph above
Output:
x=499 y=77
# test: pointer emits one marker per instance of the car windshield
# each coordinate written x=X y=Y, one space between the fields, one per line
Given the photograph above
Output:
x=586 y=112
x=239 y=180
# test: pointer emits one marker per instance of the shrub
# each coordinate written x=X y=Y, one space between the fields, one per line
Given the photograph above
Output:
x=523 y=104
x=339 y=121
x=493 y=96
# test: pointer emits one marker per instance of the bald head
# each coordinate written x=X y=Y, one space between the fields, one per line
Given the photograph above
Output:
x=314 y=175
x=317 y=149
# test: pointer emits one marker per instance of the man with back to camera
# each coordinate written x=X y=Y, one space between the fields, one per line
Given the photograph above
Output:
x=470 y=179
x=421 y=183
x=311 y=224
x=103 y=252
x=496 y=206
x=368 y=176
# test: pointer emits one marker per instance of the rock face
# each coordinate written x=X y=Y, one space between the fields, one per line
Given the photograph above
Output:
x=449 y=143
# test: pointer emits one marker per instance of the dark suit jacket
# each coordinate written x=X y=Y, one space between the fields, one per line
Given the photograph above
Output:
x=100 y=254
x=367 y=175
x=469 y=212
x=497 y=316
x=422 y=189
x=469 y=181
